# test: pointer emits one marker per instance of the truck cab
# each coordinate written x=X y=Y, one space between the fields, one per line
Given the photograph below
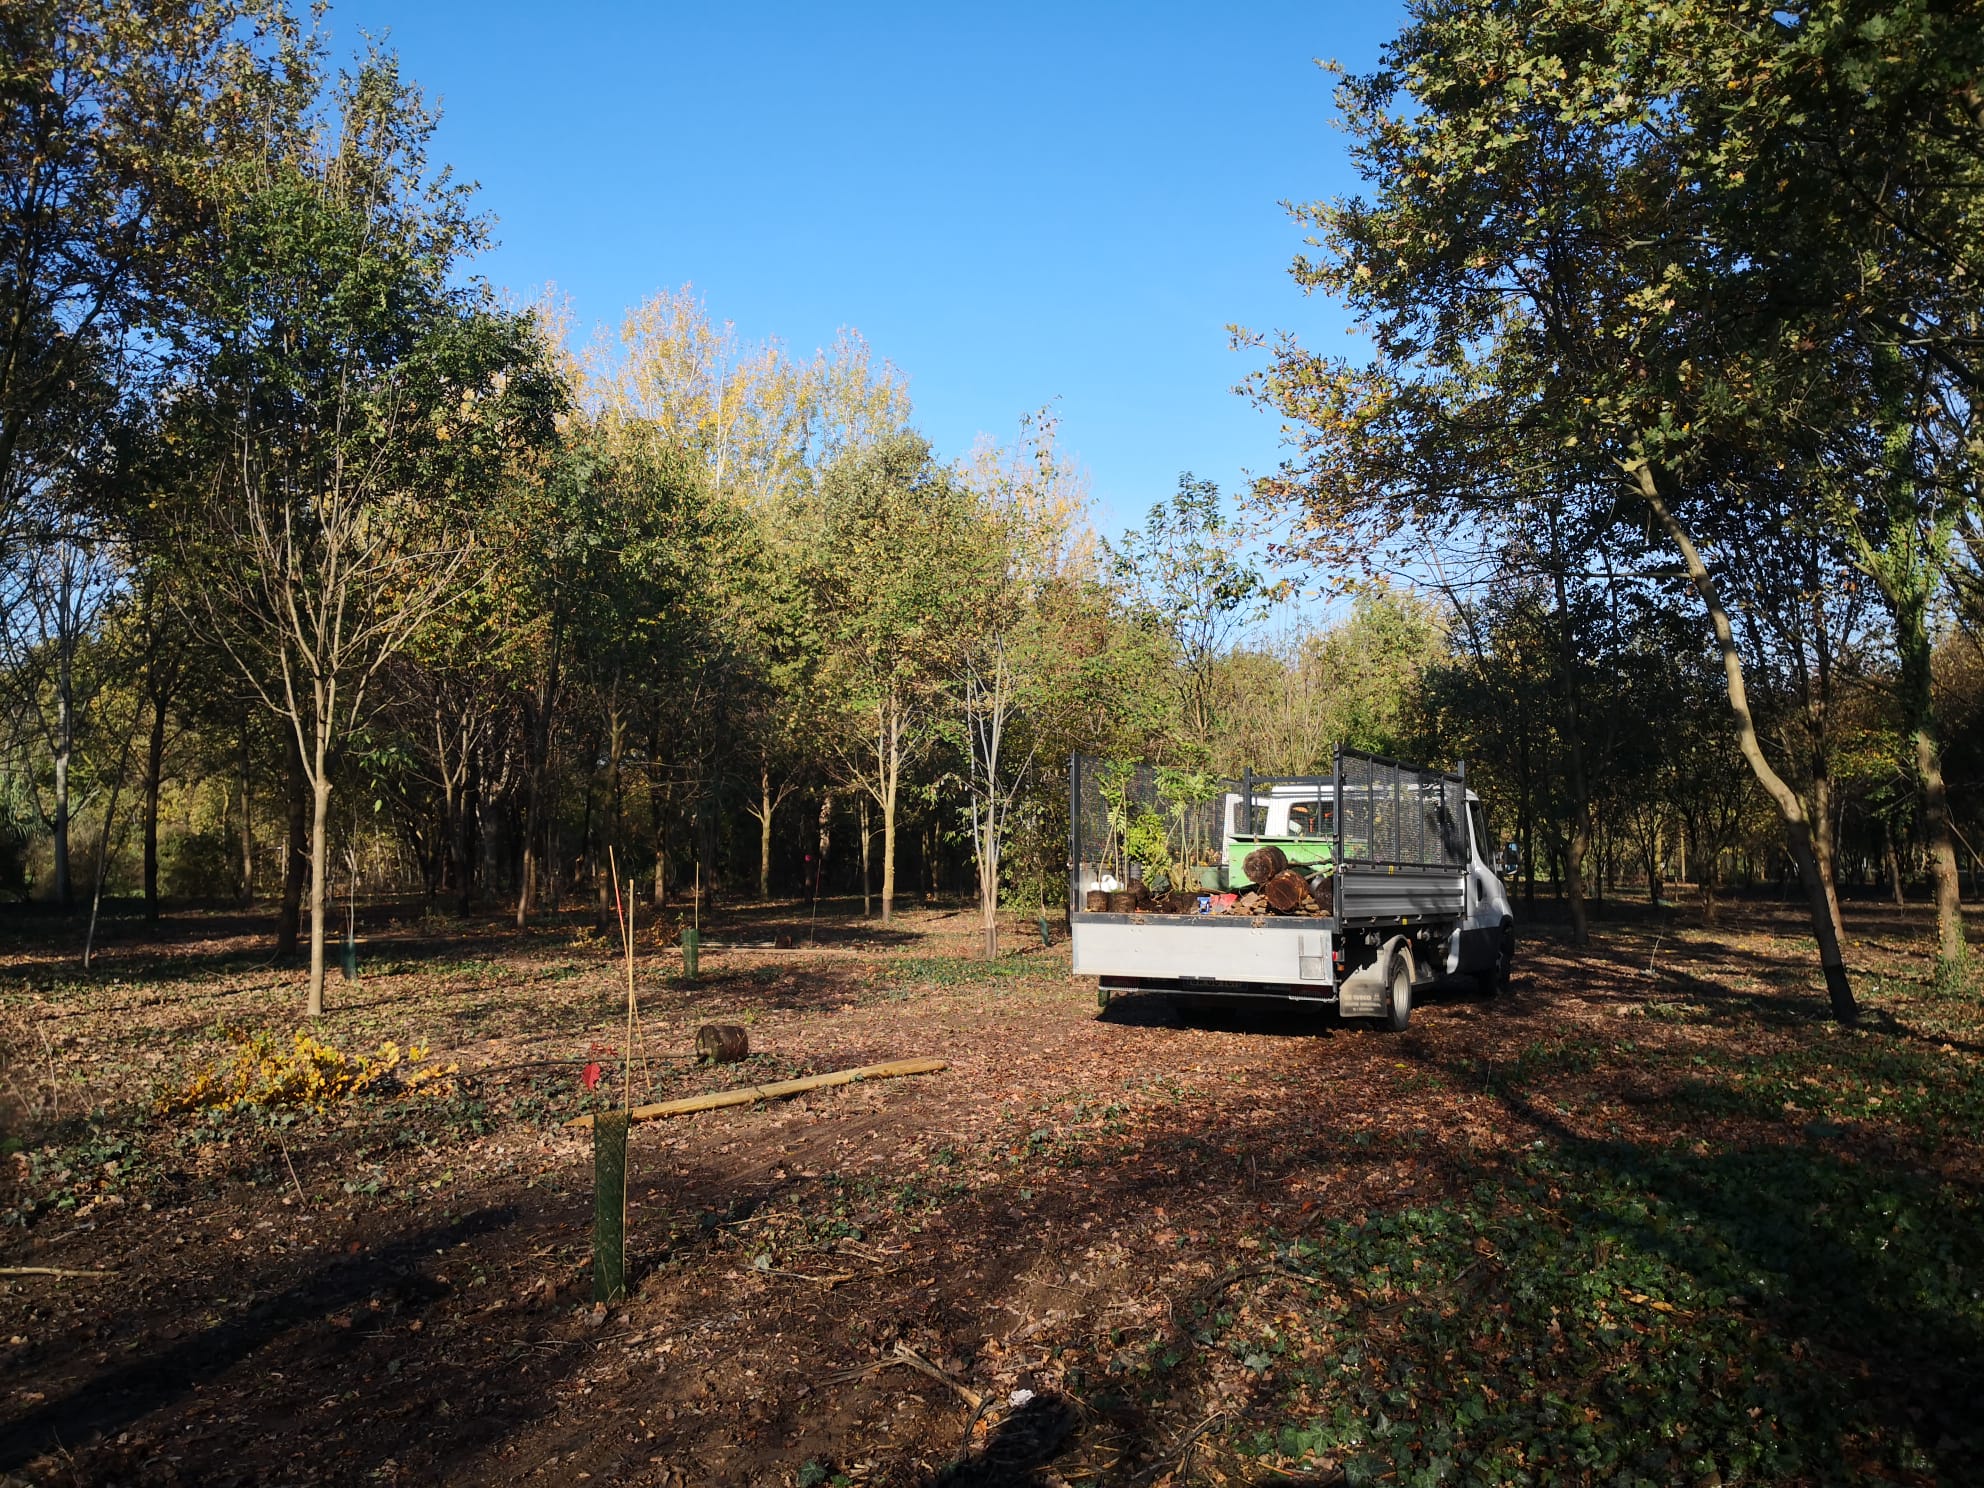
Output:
x=1298 y=819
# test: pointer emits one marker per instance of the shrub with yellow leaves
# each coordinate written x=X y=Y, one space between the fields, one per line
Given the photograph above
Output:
x=263 y=1071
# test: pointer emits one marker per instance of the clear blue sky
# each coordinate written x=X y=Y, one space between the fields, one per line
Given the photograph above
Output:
x=1013 y=204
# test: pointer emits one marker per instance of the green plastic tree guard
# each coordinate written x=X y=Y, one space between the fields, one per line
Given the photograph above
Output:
x=609 y=1211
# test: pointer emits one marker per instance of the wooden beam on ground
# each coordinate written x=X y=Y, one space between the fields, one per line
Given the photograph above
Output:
x=751 y=1094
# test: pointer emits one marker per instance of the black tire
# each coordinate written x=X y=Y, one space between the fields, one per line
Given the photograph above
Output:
x=1398 y=988
x=1505 y=960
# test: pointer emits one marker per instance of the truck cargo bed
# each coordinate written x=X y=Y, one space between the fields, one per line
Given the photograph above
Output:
x=1224 y=948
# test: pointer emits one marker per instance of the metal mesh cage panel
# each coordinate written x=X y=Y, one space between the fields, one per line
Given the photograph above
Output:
x=1131 y=821
x=1400 y=814
x=1120 y=812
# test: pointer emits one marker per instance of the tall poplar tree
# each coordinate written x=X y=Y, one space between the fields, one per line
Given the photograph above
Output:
x=357 y=405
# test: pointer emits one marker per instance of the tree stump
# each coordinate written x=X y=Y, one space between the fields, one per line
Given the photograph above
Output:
x=1285 y=891
x=721 y=1043
x=1263 y=863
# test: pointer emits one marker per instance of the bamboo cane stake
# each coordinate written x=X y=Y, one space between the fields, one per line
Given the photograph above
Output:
x=626 y=917
x=751 y=1094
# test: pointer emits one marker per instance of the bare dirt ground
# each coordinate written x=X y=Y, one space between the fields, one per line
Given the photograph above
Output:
x=1650 y=1218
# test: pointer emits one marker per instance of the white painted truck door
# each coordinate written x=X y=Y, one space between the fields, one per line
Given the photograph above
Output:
x=1474 y=946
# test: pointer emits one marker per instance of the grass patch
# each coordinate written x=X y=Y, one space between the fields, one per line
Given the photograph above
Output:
x=1606 y=1314
x=958 y=971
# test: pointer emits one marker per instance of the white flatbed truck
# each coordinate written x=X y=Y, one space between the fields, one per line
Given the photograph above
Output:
x=1410 y=894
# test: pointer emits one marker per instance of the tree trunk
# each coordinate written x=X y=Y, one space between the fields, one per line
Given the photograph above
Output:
x=706 y=850
x=320 y=863
x=931 y=866
x=988 y=905
x=1576 y=846
x=988 y=883
x=657 y=824
x=824 y=841
x=495 y=827
x=64 y=891
x=1790 y=809
x=154 y=772
x=1525 y=825
x=1894 y=863
x=536 y=765
x=594 y=852
x=867 y=869
x=527 y=876
x=1825 y=844
x=467 y=813
x=551 y=894
x=1579 y=845
x=247 y=821
x=888 y=847
x=764 y=832
x=289 y=917
x=1951 y=947
x=1918 y=682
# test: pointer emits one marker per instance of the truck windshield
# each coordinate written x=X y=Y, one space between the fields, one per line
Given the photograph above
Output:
x=1309 y=819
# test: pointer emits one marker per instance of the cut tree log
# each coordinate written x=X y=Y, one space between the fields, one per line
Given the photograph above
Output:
x=751 y=1094
x=1263 y=863
x=1323 y=890
x=722 y=1043
x=1286 y=891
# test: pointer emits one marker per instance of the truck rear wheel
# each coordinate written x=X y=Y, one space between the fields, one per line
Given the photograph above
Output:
x=1398 y=987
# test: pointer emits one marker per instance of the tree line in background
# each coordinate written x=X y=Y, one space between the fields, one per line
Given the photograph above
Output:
x=327 y=572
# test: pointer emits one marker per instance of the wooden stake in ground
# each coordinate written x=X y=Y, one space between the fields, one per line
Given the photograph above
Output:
x=625 y=915
x=751 y=1094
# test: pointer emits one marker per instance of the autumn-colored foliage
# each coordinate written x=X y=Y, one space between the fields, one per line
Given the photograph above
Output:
x=264 y=1071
